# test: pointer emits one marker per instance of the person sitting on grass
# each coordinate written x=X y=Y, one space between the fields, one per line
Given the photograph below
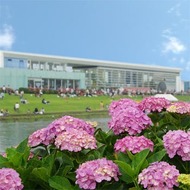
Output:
x=23 y=101
x=44 y=101
x=16 y=106
x=42 y=111
x=6 y=112
x=1 y=112
x=36 y=111
x=88 y=109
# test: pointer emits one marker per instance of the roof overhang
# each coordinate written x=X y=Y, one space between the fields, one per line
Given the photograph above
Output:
x=86 y=63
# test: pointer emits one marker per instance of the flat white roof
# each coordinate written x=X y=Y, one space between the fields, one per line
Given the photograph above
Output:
x=77 y=62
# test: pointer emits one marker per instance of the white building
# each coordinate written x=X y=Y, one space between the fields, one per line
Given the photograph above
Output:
x=53 y=72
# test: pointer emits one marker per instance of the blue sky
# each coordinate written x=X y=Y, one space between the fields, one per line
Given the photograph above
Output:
x=153 y=32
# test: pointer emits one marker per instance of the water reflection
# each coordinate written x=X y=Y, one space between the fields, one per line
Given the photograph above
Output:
x=12 y=133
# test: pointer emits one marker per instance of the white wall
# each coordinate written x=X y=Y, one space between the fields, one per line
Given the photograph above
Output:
x=1 y=60
x=179 y=84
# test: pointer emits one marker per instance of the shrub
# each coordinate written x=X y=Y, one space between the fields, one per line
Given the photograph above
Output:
x=70 y=153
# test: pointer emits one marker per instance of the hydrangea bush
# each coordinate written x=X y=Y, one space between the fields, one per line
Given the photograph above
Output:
x=147 y=146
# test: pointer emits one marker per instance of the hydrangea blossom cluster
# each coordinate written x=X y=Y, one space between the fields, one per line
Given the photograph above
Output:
x=133 y=143
x=131 y=120
x=95 y=171
x=9 y=179
x=177 y=143
x=184 y=179
x=4 y=154
x=48 y=135
x=159 y=176
x=154 y=104
x=70 y=122
x=38 y=137
x=121 y=104
x=74 y=140
x=179 y=107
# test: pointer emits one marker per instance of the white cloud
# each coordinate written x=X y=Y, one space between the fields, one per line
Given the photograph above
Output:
x=166 y=32
x=175 y=9
x=7 y=37
x=173 y=45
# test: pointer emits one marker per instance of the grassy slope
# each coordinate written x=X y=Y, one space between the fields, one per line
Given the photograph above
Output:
x=56 y=104
x=61 y=104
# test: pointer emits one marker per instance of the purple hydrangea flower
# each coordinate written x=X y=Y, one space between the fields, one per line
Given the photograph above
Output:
x=179 y=107
x=159 y=176
x=153 y=104
x=75 y=140
x=133 y=144
x=121 y=104
x=177 y=143
x=10 y=180
x=131 y=120
x=95 y=171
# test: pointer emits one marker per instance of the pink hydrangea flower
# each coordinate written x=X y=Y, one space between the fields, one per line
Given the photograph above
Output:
x=48 y=134
x=75 y=140
x=4 y=154
x=177 y=143
x=133 y=144
x=10 y=180
x=159 y=176
x=121 y=104
x=38 y=137
x=70 y=122
x=131 y=120
x=179 y=107
x=95 y=171
x=154 y=104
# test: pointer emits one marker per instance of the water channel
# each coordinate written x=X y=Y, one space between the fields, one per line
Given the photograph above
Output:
x=12 y=133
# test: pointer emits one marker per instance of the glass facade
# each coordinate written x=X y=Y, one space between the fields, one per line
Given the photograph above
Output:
x=187 y=86
x=53 y=84
x=15 y=63
x=100 y=77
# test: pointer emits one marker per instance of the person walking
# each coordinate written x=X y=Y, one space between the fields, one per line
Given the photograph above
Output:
x=101 y=105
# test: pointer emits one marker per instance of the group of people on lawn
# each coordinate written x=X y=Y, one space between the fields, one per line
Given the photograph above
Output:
x=36 y=110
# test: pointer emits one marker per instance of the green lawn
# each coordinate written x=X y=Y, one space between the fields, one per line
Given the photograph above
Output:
x=58 y=104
